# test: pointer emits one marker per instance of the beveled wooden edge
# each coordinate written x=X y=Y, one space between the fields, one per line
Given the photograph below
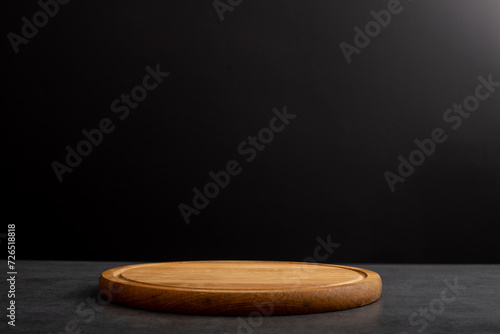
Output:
x=241 y=302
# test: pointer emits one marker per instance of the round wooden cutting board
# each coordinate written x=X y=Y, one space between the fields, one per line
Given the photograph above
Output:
x=241 y=287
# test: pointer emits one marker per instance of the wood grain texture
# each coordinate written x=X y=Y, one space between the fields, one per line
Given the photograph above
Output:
x=241 y=287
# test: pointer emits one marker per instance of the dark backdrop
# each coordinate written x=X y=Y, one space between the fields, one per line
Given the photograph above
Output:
x=323 y=175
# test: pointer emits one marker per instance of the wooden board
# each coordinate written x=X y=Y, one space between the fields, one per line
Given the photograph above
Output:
x=241 y=287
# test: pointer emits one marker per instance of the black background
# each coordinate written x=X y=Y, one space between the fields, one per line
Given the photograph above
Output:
x=323 y=175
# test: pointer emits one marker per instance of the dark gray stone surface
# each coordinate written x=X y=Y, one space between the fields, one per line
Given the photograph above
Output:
x=54 y=296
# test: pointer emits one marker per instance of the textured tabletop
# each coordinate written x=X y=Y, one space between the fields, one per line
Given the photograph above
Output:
x=62 y=297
